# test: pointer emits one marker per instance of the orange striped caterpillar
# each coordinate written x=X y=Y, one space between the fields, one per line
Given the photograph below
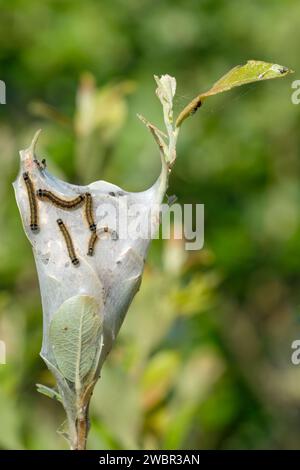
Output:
x=32 y=203
x=59 y=202
x=69 y=242
x=89 y=212
x=92 y=242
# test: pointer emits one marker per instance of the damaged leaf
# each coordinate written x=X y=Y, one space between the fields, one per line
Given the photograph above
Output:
x=252 y=71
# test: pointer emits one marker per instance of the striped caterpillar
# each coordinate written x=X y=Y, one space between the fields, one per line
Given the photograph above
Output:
x=68 y=241
x=94 y=237
x=32 y=203
x=59 y=202
x=89 y=212
x=92 y=242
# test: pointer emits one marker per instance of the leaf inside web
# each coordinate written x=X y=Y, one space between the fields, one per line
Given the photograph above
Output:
x=75 y=336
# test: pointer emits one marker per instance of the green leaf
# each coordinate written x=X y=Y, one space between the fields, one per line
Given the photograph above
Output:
x=75 y=332
x=48 y=392
x=252 y=71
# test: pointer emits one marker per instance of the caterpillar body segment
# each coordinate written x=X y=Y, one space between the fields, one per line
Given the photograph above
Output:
x=34 y=225
x=69 y=242
x=66 y=204
x=92 y=242
x=89 y=212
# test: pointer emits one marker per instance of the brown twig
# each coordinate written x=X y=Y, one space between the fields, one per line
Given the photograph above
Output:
x=82 y=429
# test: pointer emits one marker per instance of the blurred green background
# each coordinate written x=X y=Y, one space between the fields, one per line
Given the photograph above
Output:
x=204 y=357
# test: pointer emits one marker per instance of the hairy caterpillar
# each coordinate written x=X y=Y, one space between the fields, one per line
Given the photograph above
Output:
x=68 y=241
x=94 y=237
x=32 y=203
x=92 y=242
x=89 y=212
x=59 y=202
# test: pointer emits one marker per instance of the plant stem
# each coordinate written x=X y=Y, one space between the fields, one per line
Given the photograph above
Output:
x=82 y=429
x=82 y=432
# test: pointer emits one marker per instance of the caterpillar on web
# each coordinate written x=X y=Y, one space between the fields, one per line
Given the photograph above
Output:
x=66 y=204
x=69 y=243
x=94 y=238
x=89 y=212
x=92 y=241
x=34 y=226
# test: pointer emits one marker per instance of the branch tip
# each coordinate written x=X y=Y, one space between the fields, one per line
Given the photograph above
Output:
x=34 y=141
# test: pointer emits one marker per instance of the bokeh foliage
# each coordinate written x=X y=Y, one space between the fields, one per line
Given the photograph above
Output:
x=203 y=359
